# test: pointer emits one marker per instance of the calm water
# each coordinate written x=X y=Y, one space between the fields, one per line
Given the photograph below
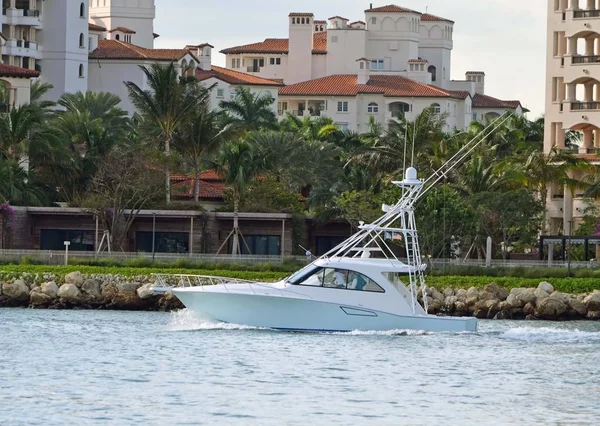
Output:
x=94 y=367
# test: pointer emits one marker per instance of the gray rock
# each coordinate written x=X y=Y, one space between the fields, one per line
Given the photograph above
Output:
x=472 y=292
x=551 y=308
x=128 y=287
x=16 y=289
x=513 y=302
x=592 y=302
x=50 y=289
x=91 y=287
x=75 y=278
x=527 y=295
x=529 y=309
x=577 y=306
x=471 y=301
x=486 y=295
x=547 y=287
x=448 y=291
x=38 y=298
x=492 y=288
x=540 y=295
x=593 y=315
x=145 y=292
x=69 y=292
x=461 y=294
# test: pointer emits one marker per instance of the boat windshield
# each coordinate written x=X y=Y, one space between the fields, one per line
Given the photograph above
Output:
x=336 y=278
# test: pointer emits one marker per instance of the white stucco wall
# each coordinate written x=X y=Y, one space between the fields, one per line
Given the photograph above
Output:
x=342 y=55
x=62 y=54
x=137 y=15
x=228 y=92
x=109 y=76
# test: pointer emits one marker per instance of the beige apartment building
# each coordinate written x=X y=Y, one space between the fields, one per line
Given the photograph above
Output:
x=572 y=97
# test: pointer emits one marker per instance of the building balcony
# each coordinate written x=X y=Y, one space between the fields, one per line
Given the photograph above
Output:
x=585 y=106
x=22 y=48
x=585 y=60
x=586 y=14
x=24 y=17
x=252 y=69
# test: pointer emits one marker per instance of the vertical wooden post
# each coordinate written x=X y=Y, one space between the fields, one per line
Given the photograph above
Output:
x=191 y=236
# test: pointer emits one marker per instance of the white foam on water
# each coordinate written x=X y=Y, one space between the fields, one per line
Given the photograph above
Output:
x=185 y=320
x=551 y=335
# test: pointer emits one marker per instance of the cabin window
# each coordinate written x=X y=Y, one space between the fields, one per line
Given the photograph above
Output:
x=336 y=278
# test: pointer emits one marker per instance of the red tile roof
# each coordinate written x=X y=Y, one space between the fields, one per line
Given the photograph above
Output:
x=347 y=85
x=391 y=8
x=484 y=101
x=123 y=30
x=211 y=185
x=94 y=27
x=320 y=22
x=301 y=14
x=358 y=22
x=12 y=71
x=428 y=17
x=116 y=49
x=234 y=77
x=339 y=17
x=461 y=94
x=279 y=46
x=199 y=46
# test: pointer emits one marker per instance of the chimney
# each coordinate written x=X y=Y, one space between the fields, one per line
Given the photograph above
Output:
x=477 y=77
x=364 y=73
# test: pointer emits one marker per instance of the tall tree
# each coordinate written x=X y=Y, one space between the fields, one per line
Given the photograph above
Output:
x=164 y=107
x=201 y=136
x=249 y=111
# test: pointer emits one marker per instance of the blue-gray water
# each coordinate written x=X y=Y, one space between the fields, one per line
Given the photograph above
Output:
x=99 y=367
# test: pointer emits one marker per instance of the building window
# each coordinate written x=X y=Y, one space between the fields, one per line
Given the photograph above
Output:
x=220 y=93
x=127 y=38
x=474 y=116
x=377 y=64
x=342 y=126
x=266 y=245
x=277 y=61
x=342 y=106
x=81 y=40
x=437 y=109
x=82 y=10
x=164 y=242
x=272 y=61
x=432 y=70
x=233 y=63
x=81 y=71
x=373 y=21
x=373 y=108
x=54 y=239
x=117 y=37
x=293 y=20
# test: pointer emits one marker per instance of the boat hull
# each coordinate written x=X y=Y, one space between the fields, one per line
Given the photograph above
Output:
x=294 y=314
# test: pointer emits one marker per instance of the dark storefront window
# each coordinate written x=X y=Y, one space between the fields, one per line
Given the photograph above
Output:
x=324 y=244
x=54 y=239
x=264 y=245
x=164 y=242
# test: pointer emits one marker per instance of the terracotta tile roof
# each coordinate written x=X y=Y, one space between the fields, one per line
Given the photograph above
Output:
x=123 y=30
x=279 y=46
x=301 y=14
x=347 y=85
x=184 y=188
x=115 y=49
x=12 y=71
x=234 y=77
x=339 y=17
x=484 y=101
x=391 y=8
x=461 y=94
x=428 y=17
x=417 y=61
x=199 y=46
x=94 y=27
x=358 y=22
x=320 y=22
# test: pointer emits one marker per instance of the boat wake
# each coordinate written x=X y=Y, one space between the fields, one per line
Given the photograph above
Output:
x=185 y=320
x=550 y=335
x=384 y=333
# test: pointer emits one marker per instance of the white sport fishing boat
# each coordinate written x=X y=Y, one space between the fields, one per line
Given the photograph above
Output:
x=359 y=285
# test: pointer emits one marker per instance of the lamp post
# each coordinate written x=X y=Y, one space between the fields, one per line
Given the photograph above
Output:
x=67 y=244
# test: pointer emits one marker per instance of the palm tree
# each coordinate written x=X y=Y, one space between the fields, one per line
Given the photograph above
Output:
x=16 y=186
x=542 y=170
x=164 y=107
x=38 y=91
x=238 y=163
x=102 y=106
x=320 y=129
x=200 y=137
x=249 y=111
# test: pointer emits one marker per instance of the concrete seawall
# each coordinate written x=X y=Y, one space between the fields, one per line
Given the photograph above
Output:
x=78 y=291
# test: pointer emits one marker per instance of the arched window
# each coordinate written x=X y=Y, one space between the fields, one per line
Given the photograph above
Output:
x=82 y=10
x=303 y=21
x=293 y=20
x=117 y=37
x=81 y=40
x=433 y=71
x=81 y=71
x=373 y=108
x=437 y=109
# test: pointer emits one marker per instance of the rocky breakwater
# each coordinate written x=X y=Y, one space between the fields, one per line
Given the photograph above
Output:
x=78 y=291
x=494 y=302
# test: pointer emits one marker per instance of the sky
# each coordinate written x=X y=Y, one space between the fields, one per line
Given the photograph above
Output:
x=504 y=38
